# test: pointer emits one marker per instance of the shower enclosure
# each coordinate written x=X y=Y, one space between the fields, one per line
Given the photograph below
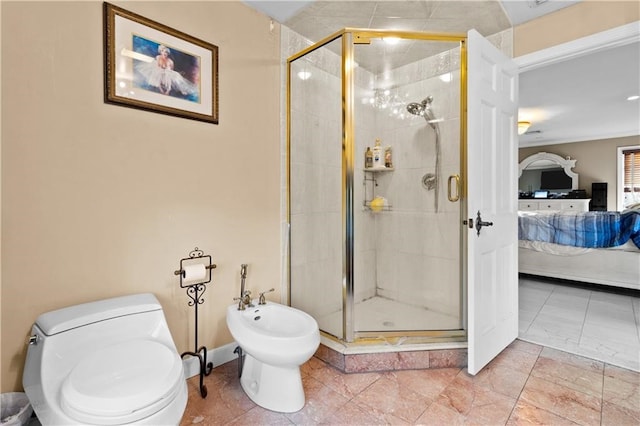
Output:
x=376 y=253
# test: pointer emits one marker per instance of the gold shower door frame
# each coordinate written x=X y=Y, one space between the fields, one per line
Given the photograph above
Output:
x=350 y=37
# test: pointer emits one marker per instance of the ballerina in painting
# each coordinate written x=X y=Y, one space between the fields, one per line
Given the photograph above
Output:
x=161 y=76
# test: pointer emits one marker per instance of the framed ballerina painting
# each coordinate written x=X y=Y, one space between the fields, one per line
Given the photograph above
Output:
x=156 y=68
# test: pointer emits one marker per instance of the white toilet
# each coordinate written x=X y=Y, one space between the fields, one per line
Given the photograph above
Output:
x=110 y=362
x=276 y=340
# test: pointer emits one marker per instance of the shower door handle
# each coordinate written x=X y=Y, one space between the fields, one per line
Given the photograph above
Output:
x=452 y=198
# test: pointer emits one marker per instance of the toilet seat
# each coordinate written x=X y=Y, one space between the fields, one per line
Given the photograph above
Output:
x=122 y=383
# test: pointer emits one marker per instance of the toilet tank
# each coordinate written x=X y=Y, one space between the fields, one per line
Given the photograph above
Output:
x=64 y=336
x=86 y=314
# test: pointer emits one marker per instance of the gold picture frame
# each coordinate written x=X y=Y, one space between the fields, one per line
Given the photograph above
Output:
x=153 y=67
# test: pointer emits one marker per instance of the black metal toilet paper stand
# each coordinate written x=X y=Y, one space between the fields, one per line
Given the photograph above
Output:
x=195 y=291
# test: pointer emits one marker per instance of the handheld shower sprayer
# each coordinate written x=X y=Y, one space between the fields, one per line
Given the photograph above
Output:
x=429 y=180
x=245 y=295
x=424 y=109
x=243 y=271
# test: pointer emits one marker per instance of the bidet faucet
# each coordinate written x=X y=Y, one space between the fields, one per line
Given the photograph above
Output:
x=241 y=306
x=245 y=295
x=262 y=300
x=246 y=299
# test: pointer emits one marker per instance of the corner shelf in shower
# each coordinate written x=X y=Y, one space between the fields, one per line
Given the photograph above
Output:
x=378 y=169
x=366 y=204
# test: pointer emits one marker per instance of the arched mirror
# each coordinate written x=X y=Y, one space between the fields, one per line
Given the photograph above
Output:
x=546 y=172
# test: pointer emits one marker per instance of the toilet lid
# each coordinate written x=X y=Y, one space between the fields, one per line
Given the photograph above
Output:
x=122 y=383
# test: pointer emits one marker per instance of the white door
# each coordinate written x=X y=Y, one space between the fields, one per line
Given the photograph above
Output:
x=492 y=274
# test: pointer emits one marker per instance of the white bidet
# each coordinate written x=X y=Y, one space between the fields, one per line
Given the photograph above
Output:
x=276 y=340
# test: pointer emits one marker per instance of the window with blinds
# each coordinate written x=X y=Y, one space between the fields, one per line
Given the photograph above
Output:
x=631 y=170
x=630 y=177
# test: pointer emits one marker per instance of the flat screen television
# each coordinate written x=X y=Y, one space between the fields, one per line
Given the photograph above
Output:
x=555 y=179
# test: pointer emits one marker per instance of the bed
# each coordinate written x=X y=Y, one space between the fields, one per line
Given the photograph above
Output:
x=593 y=247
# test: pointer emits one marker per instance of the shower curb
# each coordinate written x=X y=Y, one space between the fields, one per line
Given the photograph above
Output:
x=392 y=360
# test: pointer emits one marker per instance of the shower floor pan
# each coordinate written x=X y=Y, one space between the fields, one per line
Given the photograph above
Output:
x=391 y=340
x=382 y=314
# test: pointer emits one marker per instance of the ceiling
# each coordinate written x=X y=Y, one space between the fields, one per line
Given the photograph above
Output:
x=317 y=19
x=584 y=98
x=574 y=100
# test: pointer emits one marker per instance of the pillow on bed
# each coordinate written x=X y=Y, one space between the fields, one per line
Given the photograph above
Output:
x=632 y=207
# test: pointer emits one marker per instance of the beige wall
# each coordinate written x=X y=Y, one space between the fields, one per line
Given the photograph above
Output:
x=100 y=200
x=595 y=161
x=580 y=20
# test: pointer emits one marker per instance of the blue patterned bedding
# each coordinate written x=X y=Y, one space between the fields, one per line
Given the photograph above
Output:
x=581 y=229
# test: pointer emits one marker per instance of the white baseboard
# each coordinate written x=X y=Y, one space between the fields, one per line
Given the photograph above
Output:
x=216 y=356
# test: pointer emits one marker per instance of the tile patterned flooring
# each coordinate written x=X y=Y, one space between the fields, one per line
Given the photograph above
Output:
x=583 y=321
x=528 y=383
x=525 y=384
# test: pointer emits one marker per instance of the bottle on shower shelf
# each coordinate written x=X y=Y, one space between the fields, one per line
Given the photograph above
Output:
x=388 y=163
x=368 y=158
x=378 y=156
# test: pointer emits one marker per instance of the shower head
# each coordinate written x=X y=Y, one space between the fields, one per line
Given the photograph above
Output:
x=424 y=109
x=415 y=108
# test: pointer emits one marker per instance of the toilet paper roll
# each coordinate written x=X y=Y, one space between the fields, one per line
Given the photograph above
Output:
x=195 y=272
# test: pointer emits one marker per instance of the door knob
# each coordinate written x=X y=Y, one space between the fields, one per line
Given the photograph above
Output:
x=480 y=223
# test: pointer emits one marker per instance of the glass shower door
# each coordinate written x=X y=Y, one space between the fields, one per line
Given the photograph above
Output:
x=315 y=182
x=407 y=253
